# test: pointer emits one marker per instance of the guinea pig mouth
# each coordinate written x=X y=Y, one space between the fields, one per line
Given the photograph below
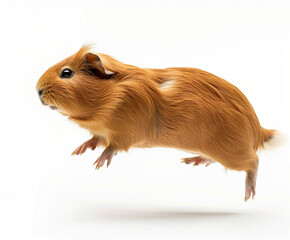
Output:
x=53 y=107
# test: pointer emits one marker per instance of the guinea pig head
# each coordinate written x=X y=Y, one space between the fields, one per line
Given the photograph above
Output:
x=79 y=86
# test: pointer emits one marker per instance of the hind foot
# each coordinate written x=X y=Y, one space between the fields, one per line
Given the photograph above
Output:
x=198 y=160
x=250 y=184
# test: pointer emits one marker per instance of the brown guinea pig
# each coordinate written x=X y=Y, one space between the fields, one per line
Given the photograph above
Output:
x=124 y=106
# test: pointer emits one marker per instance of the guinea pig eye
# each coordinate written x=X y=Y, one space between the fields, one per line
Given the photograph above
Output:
x=66 y=73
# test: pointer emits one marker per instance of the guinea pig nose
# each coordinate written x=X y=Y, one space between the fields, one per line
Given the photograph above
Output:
x=40 y=92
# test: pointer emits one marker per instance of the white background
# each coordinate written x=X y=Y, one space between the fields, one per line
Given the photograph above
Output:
x=145 y=193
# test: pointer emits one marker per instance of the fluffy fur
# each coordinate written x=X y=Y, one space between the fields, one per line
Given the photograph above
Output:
x=184 y=108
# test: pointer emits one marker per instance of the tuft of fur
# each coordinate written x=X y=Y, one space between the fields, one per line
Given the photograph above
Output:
x=275 y=139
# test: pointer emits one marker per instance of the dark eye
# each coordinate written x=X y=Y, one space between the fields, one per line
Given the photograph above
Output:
x=66 y=73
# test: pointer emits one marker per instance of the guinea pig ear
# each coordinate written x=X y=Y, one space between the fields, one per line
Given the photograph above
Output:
x=93 y=65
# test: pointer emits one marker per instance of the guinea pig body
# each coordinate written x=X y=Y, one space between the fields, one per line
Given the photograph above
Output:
x=124 y=106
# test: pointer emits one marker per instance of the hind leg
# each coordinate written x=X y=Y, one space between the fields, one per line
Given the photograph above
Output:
x=242 y=161
x=249 y=164
x=251 y=183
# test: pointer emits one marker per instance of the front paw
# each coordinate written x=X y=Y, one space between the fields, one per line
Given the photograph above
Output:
x=107 y=154
x=92 y=143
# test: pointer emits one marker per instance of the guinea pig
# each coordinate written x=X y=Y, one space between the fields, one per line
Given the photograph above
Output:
x=124 y=106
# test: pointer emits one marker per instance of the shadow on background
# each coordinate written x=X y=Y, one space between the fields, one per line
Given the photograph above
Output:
x=141 y=214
